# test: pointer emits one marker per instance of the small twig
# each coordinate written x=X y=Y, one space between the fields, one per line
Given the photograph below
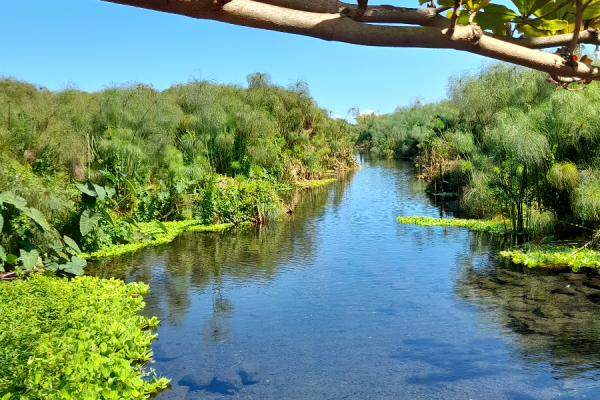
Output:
x=581 y=248
x=454 y=20
x=577 y=29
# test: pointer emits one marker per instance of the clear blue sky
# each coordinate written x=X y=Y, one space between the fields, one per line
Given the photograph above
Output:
x=93 y=44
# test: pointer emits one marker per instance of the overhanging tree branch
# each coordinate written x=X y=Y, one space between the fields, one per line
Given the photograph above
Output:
x=325 y=19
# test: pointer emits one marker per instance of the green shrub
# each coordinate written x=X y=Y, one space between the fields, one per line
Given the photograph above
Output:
x=78 y=339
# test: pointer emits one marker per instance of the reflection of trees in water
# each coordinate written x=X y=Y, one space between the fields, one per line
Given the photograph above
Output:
x=194 y=261
x=555 y=314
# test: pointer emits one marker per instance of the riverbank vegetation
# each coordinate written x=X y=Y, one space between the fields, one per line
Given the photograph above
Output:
x=77 y=339
x=88 y=175
x=96 y=165
x=508 y=145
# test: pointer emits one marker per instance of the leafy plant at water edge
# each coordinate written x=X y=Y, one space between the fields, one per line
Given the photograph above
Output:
x=478 y=225
x=58 y=258
x=85 y=342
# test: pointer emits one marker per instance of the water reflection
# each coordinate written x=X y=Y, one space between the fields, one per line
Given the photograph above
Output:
x=553 y=315
x=342 y=301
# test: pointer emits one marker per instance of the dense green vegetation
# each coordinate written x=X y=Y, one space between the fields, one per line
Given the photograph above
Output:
x=78 y=339
x=491 y=226
x=507 y=144
x=98 y=164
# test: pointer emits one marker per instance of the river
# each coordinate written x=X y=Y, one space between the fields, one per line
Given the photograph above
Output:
x=340 y=301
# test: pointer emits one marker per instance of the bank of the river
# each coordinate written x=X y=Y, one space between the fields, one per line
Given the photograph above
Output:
x=530 y=255
x=158 y=233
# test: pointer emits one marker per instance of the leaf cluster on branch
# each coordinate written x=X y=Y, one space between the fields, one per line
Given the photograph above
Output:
x=511 y=34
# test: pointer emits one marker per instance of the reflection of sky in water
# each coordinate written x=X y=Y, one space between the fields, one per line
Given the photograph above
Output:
x=342 y=301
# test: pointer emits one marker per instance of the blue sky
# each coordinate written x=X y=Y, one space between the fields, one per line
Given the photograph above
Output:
x=93 y=44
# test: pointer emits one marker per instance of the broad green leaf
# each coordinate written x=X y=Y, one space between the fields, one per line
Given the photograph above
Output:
x=529 y=31
x=88 y=201
x=11 y=198
x=106 y=215
x=592 y=11
x=71 y=243
x=162 y=227
x=88 y=221
x=494 y=15
x=87 y=188
x=528 y=7
x=75 y=266
x=29 y=259
x=11 y=258
x=550 y=25
x=110 y=192
x=2 y=254
x=38 y=218
x=99 y=191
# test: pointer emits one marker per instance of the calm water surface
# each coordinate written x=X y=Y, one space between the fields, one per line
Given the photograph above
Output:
x=342 y=301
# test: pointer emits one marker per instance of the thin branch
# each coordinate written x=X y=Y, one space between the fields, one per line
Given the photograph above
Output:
x=454 y=20
x=577 y=29
x=590 y=36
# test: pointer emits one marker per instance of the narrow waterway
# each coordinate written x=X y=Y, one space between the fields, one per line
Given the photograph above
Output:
x=342 y=301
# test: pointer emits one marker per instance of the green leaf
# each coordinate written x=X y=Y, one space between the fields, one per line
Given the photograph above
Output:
x=529 y=31
x=11 y=258
x=88 y=221
x=528 y=7
x=162 y=227
x=6 y=396
x=87 y=188
x=106 y=215
x=100 y=192
x=130 y=221
x=446 y=3
x=1 y=223
x=109 y=176
x=494 y=15
x=29 y=259
x=550 y=25
x=75 y=266
x=11 y=198
x=129 y=186
x=38 y=218
x=110 y=192
x=71 y=243
x=88 y=201
x=2 y=254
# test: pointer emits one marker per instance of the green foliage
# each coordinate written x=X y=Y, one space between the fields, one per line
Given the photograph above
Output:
x=87 y=161
x=155 y=235
x=86 y=341
x=563 y=176
x=490 y=226
x=554 y=256
x=57 y=258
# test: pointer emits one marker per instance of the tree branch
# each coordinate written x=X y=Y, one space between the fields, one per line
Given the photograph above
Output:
x=591 y=36
x=336 y=27
x=577 y=28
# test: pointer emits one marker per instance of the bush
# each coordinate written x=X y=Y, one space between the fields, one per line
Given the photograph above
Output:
x=78 y=339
